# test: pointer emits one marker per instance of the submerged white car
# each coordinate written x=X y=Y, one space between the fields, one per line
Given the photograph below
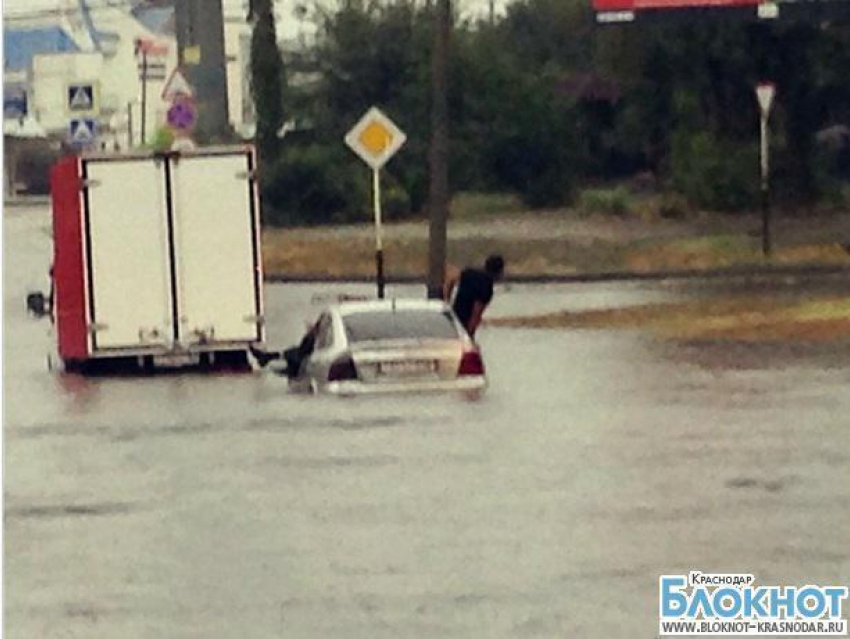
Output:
x=390 y=346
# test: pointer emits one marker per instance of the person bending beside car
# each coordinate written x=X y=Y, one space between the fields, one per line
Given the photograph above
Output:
x=473 y=290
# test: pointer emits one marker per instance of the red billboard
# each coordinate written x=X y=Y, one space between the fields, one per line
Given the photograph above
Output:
x=614 y=11
x=637 y=5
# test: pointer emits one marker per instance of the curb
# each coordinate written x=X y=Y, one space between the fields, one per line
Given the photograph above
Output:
x=582 y=278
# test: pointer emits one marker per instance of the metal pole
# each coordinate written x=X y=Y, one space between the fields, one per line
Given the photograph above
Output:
x=144 y=94
x=765 y=188
x=129 y=125
x=379 y=232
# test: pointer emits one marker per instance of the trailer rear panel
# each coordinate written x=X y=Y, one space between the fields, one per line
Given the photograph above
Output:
x=216 y=247
x=157 y=255
x=129 y=265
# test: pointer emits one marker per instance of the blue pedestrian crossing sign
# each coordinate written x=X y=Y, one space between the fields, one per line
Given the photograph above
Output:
x=81 y=97
x=14 y=103
x=83 y=131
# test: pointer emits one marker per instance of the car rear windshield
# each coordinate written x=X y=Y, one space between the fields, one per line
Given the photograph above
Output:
x=402 y=324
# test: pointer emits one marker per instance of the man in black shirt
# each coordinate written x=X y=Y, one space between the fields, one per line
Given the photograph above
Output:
x=474 y=291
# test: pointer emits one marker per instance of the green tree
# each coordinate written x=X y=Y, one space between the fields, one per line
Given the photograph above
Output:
x=267 y=80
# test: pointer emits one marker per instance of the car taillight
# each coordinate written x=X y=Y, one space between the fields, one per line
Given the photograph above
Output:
x=342 y=369
x=471 y=364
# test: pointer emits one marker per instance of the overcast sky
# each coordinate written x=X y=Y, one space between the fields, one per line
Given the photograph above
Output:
x=288 y=28
x=16 y=6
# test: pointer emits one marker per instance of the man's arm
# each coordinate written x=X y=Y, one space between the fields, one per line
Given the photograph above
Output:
x=475 y=320
x=452 y=278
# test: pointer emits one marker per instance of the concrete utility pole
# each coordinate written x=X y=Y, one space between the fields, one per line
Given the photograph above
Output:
x=765 y=92
x=144 y=96
x=200 y=54
x=129 y=126
x=438 y=191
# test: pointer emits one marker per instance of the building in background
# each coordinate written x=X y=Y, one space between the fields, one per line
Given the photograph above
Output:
x=80 y=64
x=95 y=65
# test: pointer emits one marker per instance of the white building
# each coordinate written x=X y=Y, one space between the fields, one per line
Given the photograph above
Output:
x=81 y=53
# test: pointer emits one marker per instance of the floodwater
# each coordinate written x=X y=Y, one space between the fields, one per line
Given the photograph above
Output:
x=222 y=506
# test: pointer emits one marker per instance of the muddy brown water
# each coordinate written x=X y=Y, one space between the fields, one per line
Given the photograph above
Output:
x=190 y=506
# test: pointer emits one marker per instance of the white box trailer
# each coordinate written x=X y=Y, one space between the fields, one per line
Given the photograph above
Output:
x=157 y=258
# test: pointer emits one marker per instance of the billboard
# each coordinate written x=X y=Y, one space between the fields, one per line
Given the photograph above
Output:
x=637 y=5
x=619 y=11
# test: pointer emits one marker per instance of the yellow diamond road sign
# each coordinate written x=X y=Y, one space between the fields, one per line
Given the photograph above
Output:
x=375 y=138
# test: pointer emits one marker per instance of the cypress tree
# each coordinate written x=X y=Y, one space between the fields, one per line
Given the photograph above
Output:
x=267 y=80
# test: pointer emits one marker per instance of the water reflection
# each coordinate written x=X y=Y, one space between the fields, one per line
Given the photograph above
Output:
x=193 y=505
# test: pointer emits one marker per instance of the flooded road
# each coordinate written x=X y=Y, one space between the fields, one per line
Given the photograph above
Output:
x=190 y=506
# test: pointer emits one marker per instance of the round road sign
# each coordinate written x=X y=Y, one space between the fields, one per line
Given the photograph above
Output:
x=182 y=115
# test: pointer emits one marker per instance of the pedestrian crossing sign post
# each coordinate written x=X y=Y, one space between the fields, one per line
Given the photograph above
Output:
x=82 y=132
x=375 y=139
x=81 y=97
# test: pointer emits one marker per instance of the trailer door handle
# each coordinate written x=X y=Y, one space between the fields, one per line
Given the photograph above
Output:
x=204 y=335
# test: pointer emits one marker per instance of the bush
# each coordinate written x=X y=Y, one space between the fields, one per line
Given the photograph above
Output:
x=616 y=201
x=662 y=206
x=32 y=165
x=715 y=174
x=163 y=138
x=312 y=185
x=317 y=184
x=395 y=202
x=479 y=205
x=321 y=185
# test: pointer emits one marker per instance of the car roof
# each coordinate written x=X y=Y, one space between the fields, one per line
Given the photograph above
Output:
x=389 y=306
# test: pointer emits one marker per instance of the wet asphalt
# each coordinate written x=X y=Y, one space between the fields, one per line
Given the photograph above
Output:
x=223 y=506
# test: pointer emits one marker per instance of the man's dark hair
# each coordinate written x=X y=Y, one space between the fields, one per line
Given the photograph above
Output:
x=495 y=265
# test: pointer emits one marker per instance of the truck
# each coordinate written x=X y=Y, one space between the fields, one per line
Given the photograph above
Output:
x=157 y=260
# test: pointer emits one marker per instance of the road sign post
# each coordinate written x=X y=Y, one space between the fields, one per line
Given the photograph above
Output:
x=379 y=231
x=375 y=139
x=765 y=92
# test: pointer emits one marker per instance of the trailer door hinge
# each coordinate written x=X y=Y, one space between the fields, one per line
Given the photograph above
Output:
x=204 y=335
x=247 y=175
x=97 y=326
x=89 y=184
x=149 y=335
x=259 y=320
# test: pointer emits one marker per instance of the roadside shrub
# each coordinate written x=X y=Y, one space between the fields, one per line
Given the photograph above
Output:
x=715 y=174
x=395 y=202
x=313 y=185
x=615 y=201
x=475 y=204
x=33 y=159
x=163 y=138
x=662 y=206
